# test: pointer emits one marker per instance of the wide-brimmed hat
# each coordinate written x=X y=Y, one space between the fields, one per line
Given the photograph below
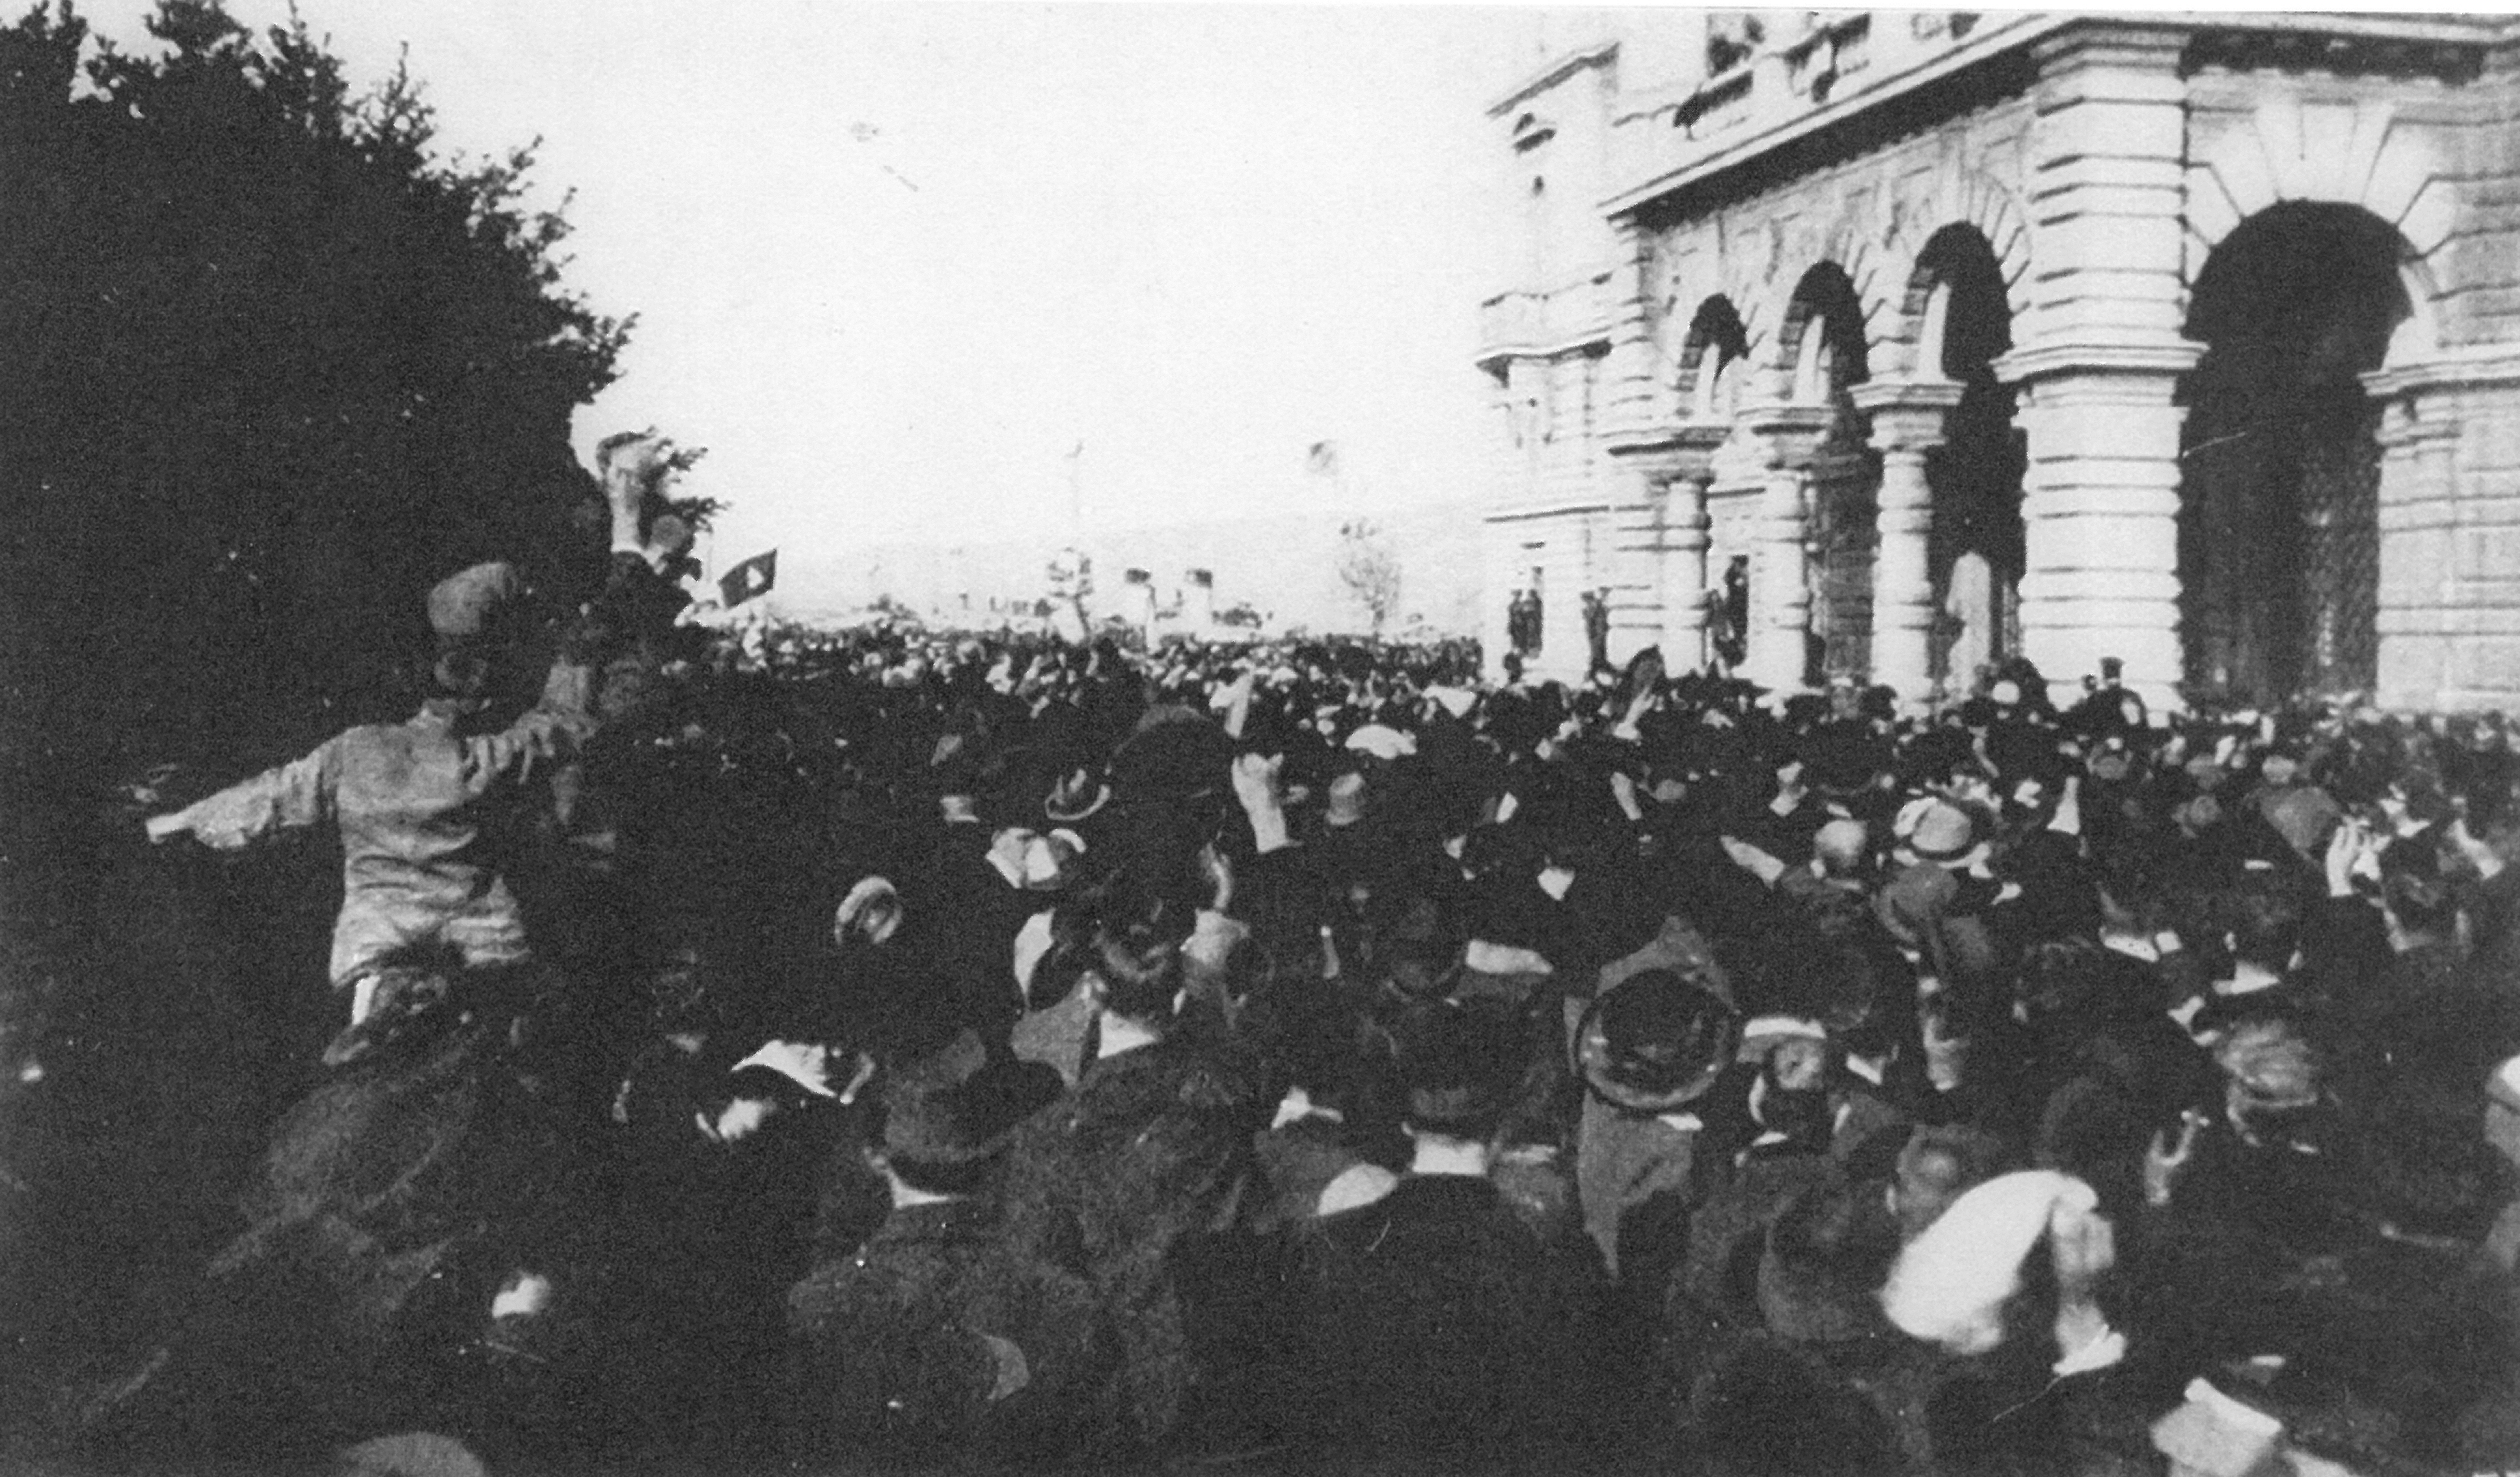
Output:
x=1382 y=742
x=1655 y=1041
x=1945 y=831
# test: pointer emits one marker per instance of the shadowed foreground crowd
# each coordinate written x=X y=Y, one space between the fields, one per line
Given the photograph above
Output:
x=899 y=1052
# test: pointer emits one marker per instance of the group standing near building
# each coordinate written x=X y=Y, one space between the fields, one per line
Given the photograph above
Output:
x=908 y=1050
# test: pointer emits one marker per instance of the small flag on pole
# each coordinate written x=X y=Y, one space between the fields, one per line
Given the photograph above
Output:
x=755 y=576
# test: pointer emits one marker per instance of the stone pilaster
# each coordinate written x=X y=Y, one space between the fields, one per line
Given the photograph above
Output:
x=1908 y=422
x=2106 y=189
x=2449 y=610
x=1638 y=394
x=2098 y=355
x=2418 y=514
x=1778 y=658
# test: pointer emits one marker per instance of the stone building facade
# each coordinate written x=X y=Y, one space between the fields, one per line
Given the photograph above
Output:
x=1886 y=344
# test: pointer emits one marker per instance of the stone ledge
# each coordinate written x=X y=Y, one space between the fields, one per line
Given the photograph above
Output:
x=2045 y=362
x=1551 y=510
x=2468 y=365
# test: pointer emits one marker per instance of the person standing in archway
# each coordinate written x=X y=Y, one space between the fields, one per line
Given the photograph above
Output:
x=1968 y=601
x=1732 y=637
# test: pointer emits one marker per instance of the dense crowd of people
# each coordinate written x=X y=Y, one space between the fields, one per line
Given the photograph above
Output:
x=898 y=1049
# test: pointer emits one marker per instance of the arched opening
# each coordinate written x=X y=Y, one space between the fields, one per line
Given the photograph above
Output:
x=1710 y=361
x=2279 y=461
x=1974 y=550
x=1824 y=332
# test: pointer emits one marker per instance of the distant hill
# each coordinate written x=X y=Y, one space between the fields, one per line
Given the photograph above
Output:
x=1285 y=566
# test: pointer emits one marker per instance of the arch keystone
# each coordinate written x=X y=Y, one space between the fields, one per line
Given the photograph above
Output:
x=2326 y=149
x=2278 y=129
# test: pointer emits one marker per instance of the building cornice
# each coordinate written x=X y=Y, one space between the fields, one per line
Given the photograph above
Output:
x=1682 y=448
x=2007 y=37
x=2474 y=29
x=2011 y=35
x=1597 y=55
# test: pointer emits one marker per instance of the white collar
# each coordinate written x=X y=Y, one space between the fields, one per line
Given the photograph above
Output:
x=1298 y=1105
x=1434 y=1154
x=1120 y=1034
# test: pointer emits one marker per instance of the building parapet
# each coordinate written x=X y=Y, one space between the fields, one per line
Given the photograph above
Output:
x=1783 y=87
x=1537 y=325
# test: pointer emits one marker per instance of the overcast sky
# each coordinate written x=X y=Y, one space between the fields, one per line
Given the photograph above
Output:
x=892 y=263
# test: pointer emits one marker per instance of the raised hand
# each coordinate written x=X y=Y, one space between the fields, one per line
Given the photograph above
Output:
x=2344 y=853
x=1256 y=786
x=2163 y=1162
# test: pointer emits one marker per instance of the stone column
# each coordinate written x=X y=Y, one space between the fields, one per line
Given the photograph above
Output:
x=1780 y=599
x=1907 y=421
x=1682 y=466
x=2098 y=358
x=1684 y=592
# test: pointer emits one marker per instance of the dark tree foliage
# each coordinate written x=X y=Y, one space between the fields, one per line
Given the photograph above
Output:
x=269 y=367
